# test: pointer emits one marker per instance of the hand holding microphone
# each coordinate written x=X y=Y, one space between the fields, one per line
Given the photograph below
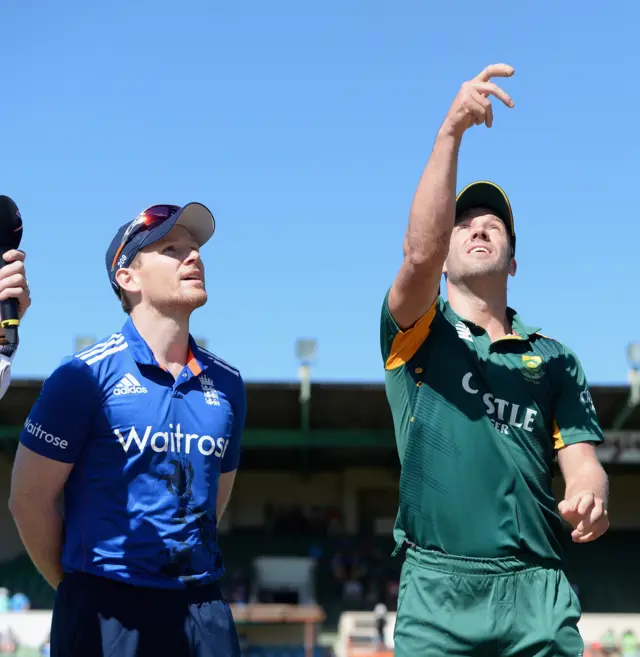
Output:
x=14 y=290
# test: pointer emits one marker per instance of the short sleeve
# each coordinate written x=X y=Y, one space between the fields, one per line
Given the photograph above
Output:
x=231 y=458
x=397 y=346
x=60 y=422
x=576 y=420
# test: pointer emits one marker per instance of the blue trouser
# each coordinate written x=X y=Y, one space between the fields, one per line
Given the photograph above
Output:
x=98 y=617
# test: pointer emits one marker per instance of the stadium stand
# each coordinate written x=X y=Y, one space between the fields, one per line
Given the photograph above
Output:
x=307 y=535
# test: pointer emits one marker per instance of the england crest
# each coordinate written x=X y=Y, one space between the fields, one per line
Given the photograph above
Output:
x=209 y=391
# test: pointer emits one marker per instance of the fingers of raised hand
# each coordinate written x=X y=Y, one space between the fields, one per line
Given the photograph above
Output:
x=495 y=71
x=490 y=88
x=478 y=106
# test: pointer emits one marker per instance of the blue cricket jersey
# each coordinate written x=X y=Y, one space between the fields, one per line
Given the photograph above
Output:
x=140 y=502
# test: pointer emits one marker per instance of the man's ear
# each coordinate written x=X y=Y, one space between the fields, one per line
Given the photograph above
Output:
x=127 y=279
x=513 y=266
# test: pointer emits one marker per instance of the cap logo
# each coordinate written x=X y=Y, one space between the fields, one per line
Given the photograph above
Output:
x=122 y=260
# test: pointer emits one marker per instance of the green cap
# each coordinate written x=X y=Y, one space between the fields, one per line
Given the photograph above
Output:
x=485 y=194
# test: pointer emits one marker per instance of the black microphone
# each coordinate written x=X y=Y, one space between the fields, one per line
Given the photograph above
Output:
x=10 y=236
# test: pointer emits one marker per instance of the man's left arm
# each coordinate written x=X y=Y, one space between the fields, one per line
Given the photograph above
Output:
x=231 y=457
x=576 y=433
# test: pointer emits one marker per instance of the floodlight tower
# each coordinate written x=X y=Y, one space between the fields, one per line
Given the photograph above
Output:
x=633 y=359
x=306 y=355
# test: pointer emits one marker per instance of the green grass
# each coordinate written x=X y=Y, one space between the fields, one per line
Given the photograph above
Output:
x=25 y=651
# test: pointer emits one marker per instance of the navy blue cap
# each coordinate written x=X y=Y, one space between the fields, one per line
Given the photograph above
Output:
x=195 y=217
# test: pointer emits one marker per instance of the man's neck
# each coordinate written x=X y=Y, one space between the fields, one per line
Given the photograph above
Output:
x=483 y=305
x=167 y=336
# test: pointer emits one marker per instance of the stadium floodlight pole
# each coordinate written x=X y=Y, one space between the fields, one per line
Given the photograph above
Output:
x=306 y=354
x=82 y=342
x=633 y=358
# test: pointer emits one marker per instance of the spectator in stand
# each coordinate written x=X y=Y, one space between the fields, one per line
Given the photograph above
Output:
x=380 y=611
x=8 y=641
x=4 y=600
x=239 y=587
x=609 y=643
x=594 y=650
x=20 y=602
x=629 y=645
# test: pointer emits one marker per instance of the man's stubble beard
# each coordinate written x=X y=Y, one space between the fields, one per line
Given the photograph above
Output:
x=182 y=303
x=463 y=272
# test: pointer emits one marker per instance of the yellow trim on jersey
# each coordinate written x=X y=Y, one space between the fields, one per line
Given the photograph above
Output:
x=406 y=343
x=511 y=336
x=558 y=443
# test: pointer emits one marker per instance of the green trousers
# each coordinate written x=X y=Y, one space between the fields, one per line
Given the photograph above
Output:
x=459 y=606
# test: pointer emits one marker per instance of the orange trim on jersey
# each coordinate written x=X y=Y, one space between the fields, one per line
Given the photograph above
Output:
x=558 y=443
x=406 y=343
x=192 y=363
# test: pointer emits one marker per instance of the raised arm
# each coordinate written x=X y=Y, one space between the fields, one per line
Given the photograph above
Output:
x=432 y=212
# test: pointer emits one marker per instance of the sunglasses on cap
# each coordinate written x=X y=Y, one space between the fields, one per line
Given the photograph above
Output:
x=150 y=218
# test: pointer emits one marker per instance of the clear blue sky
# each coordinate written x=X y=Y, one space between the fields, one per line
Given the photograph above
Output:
x=305 y=127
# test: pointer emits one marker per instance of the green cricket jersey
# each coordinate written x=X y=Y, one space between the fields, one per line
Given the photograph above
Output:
x=477 y=425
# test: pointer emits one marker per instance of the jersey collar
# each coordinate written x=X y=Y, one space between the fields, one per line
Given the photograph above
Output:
x=522 y=330
x=143 y=355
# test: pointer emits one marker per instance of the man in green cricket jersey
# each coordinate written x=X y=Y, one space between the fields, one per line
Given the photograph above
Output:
x=482 y=403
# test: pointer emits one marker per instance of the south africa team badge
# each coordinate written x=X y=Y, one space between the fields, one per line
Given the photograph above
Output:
x=532 y=367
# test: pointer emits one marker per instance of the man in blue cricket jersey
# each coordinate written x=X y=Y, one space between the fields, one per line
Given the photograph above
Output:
x=142 y=433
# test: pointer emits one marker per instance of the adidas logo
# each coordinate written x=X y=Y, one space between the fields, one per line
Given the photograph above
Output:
x=129 y=385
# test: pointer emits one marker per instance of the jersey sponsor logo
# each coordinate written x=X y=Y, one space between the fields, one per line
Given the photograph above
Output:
x=209 y=391
x=502 y=413
x=129 y=385
x=532 y=367
x=174 y=440
x=38 y=432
